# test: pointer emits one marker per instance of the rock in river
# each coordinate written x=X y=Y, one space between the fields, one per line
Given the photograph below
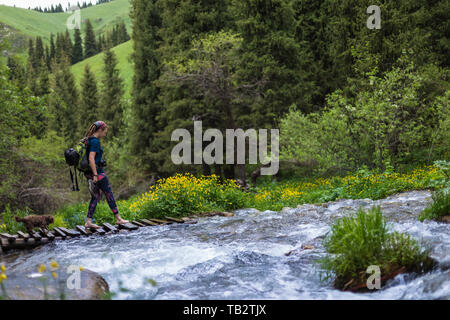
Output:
x=30 y=286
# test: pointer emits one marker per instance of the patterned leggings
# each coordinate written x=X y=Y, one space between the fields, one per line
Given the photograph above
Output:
x=102 y=184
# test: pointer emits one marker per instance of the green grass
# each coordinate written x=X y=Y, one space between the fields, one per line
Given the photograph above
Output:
x=364 y=239
x=438 y=208
x=124 y=65
x=33 y=23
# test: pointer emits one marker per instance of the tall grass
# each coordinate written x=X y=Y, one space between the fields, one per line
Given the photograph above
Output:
x=438 y=208
x=363 y=239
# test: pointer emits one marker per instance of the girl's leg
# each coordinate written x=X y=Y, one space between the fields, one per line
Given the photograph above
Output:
x=103 y=184
x=91 y=209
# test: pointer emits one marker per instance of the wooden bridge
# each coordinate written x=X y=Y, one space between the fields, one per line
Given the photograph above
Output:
x=23 y=240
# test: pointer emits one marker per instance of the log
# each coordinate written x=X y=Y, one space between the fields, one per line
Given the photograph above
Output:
x=174 y=219
x=109 y=227
x=137 y=223
x=148 y=223
x=4 y=242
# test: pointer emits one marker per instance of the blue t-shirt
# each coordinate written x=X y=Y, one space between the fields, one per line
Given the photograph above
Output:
x=94 y=146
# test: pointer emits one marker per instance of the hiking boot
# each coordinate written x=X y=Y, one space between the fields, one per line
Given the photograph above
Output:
x=93 y=189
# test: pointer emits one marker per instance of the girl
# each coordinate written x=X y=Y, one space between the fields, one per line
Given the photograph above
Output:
x=97 y=178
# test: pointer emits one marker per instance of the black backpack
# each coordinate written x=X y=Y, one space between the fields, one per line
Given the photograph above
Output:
x=78 y=159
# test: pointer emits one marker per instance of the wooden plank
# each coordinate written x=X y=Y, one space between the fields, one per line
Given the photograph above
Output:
x=50 y=236
x=148 y=223
x=36 y=235
x=70 y=232
x=128 y=226
x=138 y=223
x=109 y=227
x=7 y=236
x=174 y=219
x=4 y=242
x=59 y=233
x=83 y=230
x=99 y=231
x=23 y=235
x=59 y=238
x=160 y=221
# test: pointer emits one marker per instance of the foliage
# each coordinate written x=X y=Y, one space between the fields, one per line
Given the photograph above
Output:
x=438 y=208
x=365 y=239
x=182 y=194
x=382 y=122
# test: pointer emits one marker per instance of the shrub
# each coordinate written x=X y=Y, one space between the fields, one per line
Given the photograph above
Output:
x=183 y=194
x=438 y=208
x=364 y=239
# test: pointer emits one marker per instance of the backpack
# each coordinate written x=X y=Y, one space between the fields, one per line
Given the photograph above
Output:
x=77 y=158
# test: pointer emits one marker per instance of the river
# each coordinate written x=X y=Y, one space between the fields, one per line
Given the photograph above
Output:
x=244 y=256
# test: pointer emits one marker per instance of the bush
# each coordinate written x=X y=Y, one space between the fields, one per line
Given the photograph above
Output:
x=184 y=194
x=438 y=208
x=364 y=239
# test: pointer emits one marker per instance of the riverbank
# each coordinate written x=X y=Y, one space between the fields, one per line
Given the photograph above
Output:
x=184 y=195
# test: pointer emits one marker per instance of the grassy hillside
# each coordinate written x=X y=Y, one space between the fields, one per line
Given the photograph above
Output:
x=122 y=52
x=33 y=23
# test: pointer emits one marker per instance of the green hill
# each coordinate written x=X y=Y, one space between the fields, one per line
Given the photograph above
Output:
x=18 y=24
x=125 y=66
x=33 y=23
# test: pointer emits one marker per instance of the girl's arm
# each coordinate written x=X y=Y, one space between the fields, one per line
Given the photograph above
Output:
x=92 y=164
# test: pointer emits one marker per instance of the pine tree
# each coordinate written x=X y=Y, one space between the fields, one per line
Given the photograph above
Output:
x=112 y=92
x=52 y=47
x=89 y=106
x=77 y=51
x=271 y=51
x=64 y=101
x=90 y=44
x=68 y=46
x=147 y=66
x=38 y=51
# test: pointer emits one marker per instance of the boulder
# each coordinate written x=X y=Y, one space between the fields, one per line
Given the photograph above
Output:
x=29 y=286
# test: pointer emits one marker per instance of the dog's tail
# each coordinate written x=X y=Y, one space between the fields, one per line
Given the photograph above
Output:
x=18 y=219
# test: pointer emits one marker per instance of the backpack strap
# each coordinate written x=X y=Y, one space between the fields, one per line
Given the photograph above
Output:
x=76 y=180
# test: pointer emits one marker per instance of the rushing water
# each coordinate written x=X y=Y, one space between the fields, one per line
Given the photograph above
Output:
x=244 y=257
